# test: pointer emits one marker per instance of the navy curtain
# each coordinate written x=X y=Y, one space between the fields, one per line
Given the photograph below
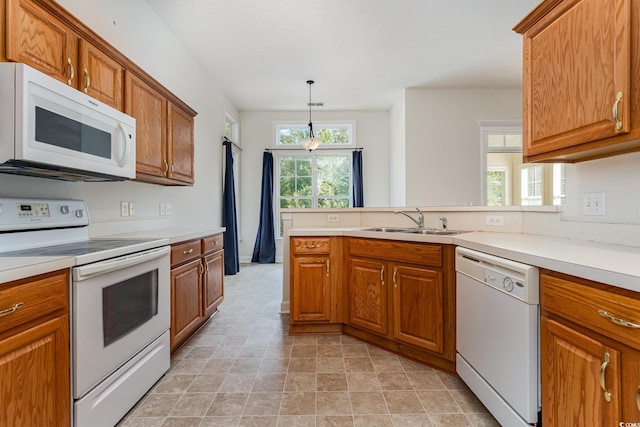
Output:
x=264 y=250
x=358 y=196
x=229 y=216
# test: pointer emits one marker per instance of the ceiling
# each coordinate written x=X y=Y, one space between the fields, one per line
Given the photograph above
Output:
x=361 y=53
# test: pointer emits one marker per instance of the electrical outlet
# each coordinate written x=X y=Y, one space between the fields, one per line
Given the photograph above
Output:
x=162 y=209
x=124 y=208
x=333 y=218
x=132 y=209
x=593 y=204
x=494 y=220
x=167 y=209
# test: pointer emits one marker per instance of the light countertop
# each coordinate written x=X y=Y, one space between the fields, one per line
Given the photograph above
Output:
x=15 y=268
x=610 y=264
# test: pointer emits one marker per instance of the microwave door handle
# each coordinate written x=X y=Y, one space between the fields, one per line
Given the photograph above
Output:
x=122 y=160
x=90 y=270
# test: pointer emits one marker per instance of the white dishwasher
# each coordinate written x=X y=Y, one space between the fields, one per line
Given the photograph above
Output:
x=497 y=335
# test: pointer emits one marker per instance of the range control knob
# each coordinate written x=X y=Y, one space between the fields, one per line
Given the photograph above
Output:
x=64 y=209
x=507 y=284
x=80 y=214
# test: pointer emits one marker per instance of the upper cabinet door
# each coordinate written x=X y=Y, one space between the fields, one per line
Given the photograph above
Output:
x=39 y=39
x=149 y=108
x=100 y=76
x=576 y=75
x=180 y=145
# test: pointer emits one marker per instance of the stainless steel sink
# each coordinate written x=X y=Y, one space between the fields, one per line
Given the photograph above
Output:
x=428 y=231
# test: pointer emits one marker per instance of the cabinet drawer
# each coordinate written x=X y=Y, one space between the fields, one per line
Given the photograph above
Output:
x=593 y=305
x=34 y=297
x=310 y=245
x=415 y=253
x=212 y=244
x=183 y=252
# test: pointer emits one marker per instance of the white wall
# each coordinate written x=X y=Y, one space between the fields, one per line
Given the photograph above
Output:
x=132 y=27
x=618 y=177
x=257 y=132
x=397 y=155
x=442 y=144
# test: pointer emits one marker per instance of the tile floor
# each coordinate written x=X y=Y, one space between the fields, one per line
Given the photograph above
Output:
x=242 y=369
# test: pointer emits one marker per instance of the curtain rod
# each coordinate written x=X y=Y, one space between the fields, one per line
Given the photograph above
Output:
x=224 y=138
x=321 y=149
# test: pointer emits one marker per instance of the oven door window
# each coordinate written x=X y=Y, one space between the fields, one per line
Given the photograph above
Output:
x=128 y=304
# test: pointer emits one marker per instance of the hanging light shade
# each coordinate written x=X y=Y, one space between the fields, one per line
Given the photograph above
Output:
x=312 y=142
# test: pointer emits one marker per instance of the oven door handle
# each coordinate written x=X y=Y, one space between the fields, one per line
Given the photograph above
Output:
x=90 y=270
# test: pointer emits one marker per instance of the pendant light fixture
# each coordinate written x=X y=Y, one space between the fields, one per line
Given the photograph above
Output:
x=310 y=143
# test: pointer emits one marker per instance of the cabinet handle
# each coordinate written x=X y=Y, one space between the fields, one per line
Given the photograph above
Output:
x=87 y=80
x=187 y=251
x=382 y=276
x=205 y=265
x=10 y=310
x=395 y=271
x=171 y=167
x=327 y=268
x=73 y=72
x=311 y=246
x=615 y=111
x=638 y=398
x=166 y=167
x=200 y=268
x=603 y=368
x=617 y=320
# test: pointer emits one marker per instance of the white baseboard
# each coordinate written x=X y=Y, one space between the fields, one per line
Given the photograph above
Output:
x=284 y=307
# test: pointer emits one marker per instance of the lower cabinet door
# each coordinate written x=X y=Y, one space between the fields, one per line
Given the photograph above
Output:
x=368 y=295
x=418 y=307
x=34 y=374
x=213 y=279
x=186 y=301
x=580 y=378
x=311 y=289
x=630 y=386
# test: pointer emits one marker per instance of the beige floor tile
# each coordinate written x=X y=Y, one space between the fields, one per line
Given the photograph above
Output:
x=157 y=405
x=277 y=351
x=245 y=366
x=192 y=404
x=372 y=421
x=255 y=421
x=482 y=420
x=182 y=422
x=217 y=366
x=298 y=381
x=394 y=381
x=358 y=364
x=252 y=351
x=425 y=380
x=368 y=402
x=451 y=382
x=363 y=381
x=302 y=364
x=206 y=383
x=438 y=402
x=403 y=402
x=469 y=403
x=386 y=364
x=449 y=420
x=305 y=340
x=174 y=384
x=263 y=404
x=332 y=382
x=298 y=403
x=227 y=404
x=237 y=383
x=188 y=367
x=333 y=403
x=329 y=340
x=274 y=366
x=355 y=350
x=219 y=421
x=334 y=421
x=411 y=420
x=142 y=422
x=296 y=421
x=330 y=364
x=269 y=383
x=329 y=351
x=303 y=351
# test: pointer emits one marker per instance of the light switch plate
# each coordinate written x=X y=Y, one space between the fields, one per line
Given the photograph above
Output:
x=333 y=218
x=124 y=208
x=132 y=209
x=593 y=204
x=495 y=220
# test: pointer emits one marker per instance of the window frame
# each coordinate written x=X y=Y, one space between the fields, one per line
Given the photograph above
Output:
x=350 y=124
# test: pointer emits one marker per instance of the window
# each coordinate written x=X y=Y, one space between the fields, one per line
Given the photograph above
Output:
x=505 y=180
x=331 y=134
x=320 y=179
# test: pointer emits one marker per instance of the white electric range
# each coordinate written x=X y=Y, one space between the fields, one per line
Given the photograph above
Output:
x=120 y=307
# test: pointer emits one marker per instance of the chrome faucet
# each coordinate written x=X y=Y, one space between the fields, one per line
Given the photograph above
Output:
x=444 y=222
x=419 y=222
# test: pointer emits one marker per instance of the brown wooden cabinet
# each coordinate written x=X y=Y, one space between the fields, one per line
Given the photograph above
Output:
x=368 y=296
x=406 y=280
x=315 y=278
x=572 y=109
x=43 y=35
x=590 y=359
x=164 y=135
x=101 y=76
x=34 y=351
x=40 y=39
x=197 y=287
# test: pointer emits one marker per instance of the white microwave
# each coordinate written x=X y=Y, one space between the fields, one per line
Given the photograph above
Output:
x=51 y=130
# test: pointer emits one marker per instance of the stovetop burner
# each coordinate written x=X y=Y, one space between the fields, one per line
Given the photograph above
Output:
x=76 y=248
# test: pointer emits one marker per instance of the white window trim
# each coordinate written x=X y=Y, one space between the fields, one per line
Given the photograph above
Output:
x=507 y=127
